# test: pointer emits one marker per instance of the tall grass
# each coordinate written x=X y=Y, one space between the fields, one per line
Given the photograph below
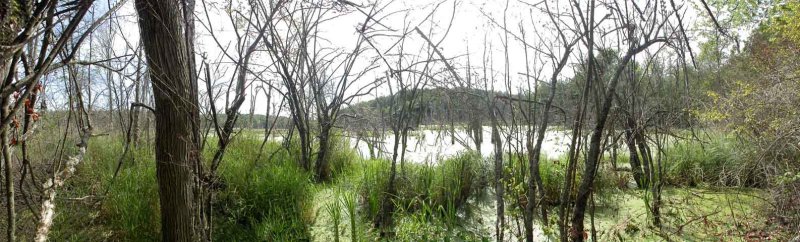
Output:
x=132 y=203
x=553 y=173
x=334 y=210
x=438 y=190
x=130 y=209
x=264 y=200
x=720 y=161
x=261 y=200
x=350 y=203
x=341 y=156
x=269 y=198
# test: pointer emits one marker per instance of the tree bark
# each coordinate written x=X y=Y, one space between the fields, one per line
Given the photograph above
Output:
x=636 y=166
x=498 y=177
x=384 y=218
x=161 y=23
x=323 y=167
x=11 y=219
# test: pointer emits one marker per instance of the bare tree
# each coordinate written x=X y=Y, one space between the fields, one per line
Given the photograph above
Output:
x=647 y=31
x=31 y=48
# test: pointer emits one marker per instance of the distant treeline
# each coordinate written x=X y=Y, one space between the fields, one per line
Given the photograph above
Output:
x=258 y=121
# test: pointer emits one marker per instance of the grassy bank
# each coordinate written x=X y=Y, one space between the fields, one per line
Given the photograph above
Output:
x=264 y=196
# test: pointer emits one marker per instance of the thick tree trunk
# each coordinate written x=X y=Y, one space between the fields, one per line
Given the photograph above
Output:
x=323 y=168
x=161 y=23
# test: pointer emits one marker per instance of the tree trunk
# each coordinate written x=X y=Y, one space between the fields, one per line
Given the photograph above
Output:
x=593 y=156
x=161 y=24
x=498 y=177
x=636 y=166
x=303 y=134
x=534 y=154
x=48 y=210
x=531 y=193
x=384 y=218
x=323 y=167
x=477 y=132
x=644 y=154
x=134 y=139
x=9 y=175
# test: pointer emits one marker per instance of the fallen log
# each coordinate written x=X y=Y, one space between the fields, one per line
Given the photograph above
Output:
x=48 y=209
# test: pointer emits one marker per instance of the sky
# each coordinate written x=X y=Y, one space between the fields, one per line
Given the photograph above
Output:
x=465 y=29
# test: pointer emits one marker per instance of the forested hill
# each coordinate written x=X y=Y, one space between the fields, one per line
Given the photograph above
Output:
x=259 y=121
x=435 y=105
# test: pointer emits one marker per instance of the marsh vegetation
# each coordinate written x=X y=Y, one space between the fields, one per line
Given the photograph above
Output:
x=399 y=120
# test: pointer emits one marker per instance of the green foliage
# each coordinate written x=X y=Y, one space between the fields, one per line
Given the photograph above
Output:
x=130 y=209
x=269 y=199
x=334 y=210
x=784 y=21
x=720 y=161
x=341 y=156
x=132 y=204
x=553 y=173
x=350 y=204
x=439 y=189
x=419 y=227
x=263 y=199
x=260 y=200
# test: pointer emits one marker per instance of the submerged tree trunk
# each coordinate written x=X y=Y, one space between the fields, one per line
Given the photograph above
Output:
x=476 y=129
x=161 y=23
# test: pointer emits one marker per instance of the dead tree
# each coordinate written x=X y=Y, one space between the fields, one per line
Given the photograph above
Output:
x=32 y=48
x=647 y=31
